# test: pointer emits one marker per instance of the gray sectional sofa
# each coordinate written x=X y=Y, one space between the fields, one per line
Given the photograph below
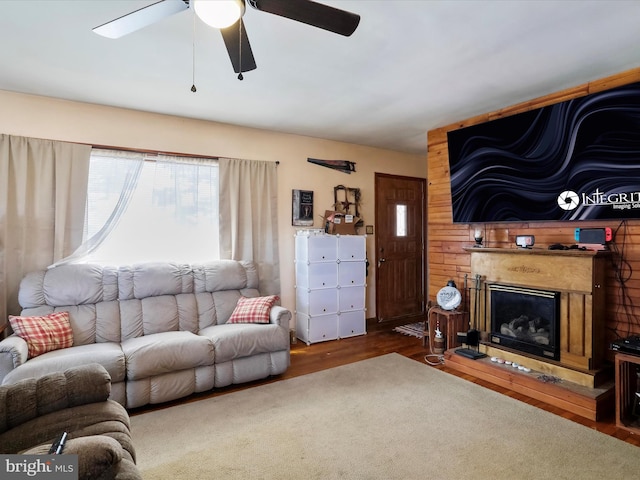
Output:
x=159 y=329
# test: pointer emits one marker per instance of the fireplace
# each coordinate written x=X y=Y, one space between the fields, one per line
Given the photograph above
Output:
x=525 y=319
x=572 y=283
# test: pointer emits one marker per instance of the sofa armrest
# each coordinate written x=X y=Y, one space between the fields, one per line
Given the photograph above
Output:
x=13 y=353
x=280 y=316
x=33 y=397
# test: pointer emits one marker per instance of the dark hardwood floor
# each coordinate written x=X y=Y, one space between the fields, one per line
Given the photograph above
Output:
x=380 y=340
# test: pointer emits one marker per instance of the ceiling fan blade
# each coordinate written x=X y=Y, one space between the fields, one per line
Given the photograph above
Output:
x=141 y=18
x=238 y=49
x=311 y=13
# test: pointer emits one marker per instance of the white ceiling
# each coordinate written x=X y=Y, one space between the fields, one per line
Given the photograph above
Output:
x=411 y=65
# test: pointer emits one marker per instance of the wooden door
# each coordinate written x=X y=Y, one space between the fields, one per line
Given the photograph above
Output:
x=399 y=243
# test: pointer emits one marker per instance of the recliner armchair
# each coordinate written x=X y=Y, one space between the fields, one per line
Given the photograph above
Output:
x=35 y=411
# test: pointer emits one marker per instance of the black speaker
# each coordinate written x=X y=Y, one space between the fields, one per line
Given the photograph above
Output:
x=473 y=338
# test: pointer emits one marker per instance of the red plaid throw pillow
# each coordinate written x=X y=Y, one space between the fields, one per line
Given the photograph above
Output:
x=253 y=310
x=43 y=334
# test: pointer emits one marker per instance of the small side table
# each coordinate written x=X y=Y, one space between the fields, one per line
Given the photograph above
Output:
x=627 y=392
x=451 y=322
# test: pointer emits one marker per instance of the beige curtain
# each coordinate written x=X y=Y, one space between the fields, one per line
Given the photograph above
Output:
x=248 y=217
x=43 y=190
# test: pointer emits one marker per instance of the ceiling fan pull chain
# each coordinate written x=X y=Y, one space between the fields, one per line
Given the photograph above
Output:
x=193 y=46
x=240 y=77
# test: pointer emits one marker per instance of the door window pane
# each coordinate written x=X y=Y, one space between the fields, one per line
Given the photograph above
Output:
x=401 y=220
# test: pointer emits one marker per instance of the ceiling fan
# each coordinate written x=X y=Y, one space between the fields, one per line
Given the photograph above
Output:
x=234 y=34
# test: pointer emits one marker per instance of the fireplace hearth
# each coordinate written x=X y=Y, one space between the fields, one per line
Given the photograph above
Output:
x=525 y=319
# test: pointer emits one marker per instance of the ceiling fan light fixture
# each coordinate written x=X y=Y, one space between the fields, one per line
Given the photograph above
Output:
x=219 y=13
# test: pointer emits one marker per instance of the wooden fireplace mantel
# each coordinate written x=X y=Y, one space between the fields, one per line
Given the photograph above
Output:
x=578 y=275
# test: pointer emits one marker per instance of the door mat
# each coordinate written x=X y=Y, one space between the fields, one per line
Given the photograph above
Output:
x=413 y=329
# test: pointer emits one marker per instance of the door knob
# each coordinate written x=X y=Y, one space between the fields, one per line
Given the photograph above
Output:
x=381 y=261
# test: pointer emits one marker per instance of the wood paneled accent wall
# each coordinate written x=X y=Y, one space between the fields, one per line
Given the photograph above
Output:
x=447 y=259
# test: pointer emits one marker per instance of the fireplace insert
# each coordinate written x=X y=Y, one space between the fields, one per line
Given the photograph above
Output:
x=525 y=319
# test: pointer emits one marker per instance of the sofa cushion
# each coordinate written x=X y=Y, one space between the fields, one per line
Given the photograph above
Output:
x=72 y=284
x=163 y=313
x=219 y=275
x=231 y=341
x=109 y=355
x=253 y=310
x=165 y=352
x=44 y=333
x=154 y=279
x=225 y=302
x=37 y=396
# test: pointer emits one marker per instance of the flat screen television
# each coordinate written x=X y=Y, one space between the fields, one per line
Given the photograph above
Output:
x=574 y=160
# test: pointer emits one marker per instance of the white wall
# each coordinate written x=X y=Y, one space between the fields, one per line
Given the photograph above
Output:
x=42 y=117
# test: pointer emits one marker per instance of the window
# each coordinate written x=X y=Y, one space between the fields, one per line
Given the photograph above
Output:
x=401 y=220
x=151 y=208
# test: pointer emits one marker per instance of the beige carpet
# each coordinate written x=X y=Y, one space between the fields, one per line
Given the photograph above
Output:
x=384 y=418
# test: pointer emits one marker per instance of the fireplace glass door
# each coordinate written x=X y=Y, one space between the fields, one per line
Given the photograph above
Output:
x=525 y=319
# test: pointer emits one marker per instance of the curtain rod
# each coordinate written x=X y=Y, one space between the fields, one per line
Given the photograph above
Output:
x=155 y=152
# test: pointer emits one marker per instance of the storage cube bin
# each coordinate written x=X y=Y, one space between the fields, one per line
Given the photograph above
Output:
x=351 y=324
x=316 y=248
x=352 y=247
x=317 y=275
x=316 y=329
x=317 y=302
x=351 y=298
x=351 y=274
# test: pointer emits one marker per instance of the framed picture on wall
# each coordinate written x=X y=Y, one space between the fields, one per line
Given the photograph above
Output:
x=302 y=213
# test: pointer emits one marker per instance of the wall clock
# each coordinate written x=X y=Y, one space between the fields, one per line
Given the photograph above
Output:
x=449 y=297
